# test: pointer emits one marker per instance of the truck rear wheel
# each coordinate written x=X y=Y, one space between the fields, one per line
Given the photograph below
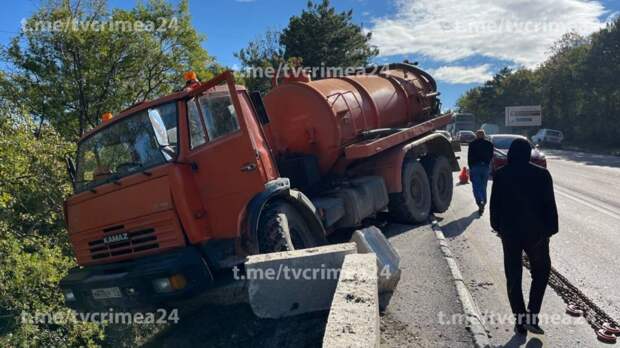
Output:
x=282 y=228
x=440 y=177
x=413 y=204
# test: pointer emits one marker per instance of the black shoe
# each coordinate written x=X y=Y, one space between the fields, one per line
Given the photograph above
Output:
x=520 y=329
x=480 y=209
x=534 y=328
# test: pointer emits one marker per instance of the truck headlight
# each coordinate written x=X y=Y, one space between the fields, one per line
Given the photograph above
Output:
x=169 y=284
x=162 y=285
x=69 y=295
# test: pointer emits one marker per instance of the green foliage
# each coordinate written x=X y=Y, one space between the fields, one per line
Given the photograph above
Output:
x=576 y=87
x=318 y=37
x=507 y=88
x=73 y=61
x=33 y=180
x=34 y=252
x=30 y=270
x=101 y=60
x=263 y=53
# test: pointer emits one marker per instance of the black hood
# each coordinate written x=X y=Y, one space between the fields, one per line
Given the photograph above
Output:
x=520 y=152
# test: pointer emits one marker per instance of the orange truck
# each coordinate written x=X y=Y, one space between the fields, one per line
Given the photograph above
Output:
x=171 y=194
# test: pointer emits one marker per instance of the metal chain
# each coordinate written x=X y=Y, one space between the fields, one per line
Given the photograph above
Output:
x=571 y=295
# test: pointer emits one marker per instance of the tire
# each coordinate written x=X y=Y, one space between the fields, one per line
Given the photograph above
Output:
x=282 y=228
x=442 y=184
x=413 y=204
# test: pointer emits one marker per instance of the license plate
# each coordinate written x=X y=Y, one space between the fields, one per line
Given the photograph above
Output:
x=105 y=293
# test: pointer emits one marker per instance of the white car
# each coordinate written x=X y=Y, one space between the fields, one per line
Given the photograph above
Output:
x=546 y=136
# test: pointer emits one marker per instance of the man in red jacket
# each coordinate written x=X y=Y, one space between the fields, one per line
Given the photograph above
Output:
x=524 y=214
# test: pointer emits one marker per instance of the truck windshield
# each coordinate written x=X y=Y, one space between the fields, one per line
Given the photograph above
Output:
x=145 y=139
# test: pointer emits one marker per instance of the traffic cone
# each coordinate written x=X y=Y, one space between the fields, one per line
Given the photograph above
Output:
x=464 y=176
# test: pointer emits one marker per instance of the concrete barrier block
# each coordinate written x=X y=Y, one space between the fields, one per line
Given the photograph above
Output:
x=294 y=282
x=372 y=240
x=354 y=315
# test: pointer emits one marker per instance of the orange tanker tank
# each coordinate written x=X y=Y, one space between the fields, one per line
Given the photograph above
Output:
x=321 y=117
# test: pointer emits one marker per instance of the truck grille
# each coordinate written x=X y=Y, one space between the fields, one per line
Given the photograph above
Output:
x=158 y=232
x=134 y=242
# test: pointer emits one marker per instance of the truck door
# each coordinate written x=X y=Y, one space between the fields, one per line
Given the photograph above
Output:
x=222 y=145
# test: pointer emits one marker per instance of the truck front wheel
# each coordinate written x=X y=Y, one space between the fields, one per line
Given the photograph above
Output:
x=282 y=228
x=413 y=204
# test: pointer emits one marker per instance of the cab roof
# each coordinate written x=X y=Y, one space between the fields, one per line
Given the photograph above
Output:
x=143 y=105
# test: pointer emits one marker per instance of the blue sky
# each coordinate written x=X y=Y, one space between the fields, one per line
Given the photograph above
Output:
x=461 y=42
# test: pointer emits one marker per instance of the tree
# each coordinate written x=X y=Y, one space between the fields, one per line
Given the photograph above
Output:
x=320 y=35
x=34 y=250
x=261 y=54
x=75 y=60
x=576 y=87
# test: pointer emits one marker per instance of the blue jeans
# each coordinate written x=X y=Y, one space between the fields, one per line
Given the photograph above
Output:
x=479 y=174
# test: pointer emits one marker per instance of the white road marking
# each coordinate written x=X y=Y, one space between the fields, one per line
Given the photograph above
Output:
x=596 y=206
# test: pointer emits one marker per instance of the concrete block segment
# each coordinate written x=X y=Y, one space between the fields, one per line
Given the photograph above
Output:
x=294 y=282
x=372 y=240
x=354 y=315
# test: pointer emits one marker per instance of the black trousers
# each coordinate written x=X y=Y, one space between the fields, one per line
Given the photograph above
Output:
x=540 y=262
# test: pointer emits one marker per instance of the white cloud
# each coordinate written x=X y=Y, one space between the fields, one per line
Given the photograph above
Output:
x=462 y=74
x=517 y=31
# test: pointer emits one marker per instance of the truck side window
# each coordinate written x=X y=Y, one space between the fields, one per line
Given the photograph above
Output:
x=219 y=114
x=196 y=132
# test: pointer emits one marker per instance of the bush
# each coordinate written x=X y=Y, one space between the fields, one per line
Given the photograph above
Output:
x=34 y=249
x=30 y=270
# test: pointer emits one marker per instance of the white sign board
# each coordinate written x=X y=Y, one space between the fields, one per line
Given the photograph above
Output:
x=524 y=116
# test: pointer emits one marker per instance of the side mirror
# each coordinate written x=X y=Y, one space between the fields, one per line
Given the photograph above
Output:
x=70 y=168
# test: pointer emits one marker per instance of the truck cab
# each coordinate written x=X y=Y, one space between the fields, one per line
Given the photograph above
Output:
x=161 y=196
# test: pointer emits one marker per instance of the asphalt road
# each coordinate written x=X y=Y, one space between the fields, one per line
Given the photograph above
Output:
x=419 y=312
x=586 y=250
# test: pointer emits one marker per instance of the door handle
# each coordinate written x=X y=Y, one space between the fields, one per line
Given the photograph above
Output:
x=248 y=167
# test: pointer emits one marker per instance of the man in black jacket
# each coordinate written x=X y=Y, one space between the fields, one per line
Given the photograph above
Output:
x=524 y=214
x=479 y=156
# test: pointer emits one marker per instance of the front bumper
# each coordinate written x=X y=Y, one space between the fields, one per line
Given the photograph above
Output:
x=135 y=280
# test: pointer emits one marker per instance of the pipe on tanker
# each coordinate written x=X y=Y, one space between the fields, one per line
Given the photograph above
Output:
x=403 y=66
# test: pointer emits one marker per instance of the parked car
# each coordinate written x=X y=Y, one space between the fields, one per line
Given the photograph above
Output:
x=465 y=136
x=502 y=143
x=546 y=136
x=445 y=133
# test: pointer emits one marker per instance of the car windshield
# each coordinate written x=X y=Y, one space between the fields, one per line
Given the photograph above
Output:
x=503 y=143
x=140 y=141
x=554 y=133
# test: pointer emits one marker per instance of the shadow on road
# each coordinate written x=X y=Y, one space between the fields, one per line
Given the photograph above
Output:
x=515 y=341
x=586 y=158
x=457 y=227
x=518 y=340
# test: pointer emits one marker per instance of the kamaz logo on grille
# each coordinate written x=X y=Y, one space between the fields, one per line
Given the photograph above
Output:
x=116 y=238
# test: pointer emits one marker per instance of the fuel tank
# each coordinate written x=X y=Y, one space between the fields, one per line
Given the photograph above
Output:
x=322 y=117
